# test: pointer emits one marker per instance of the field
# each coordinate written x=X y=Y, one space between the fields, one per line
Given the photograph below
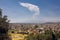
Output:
x=16 y=36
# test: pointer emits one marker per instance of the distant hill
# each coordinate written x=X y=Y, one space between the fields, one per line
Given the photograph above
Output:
x=51 y=23
x=34 y=23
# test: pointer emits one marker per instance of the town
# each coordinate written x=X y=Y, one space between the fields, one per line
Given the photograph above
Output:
x=23 y=29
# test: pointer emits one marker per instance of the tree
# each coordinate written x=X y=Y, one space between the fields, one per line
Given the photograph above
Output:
x=4 y=24
x=36 y=26
x=50 y=35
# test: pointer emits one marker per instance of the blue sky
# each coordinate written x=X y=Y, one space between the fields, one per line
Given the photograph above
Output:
x=31 y=11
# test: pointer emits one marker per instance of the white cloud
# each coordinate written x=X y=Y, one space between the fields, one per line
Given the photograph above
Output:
x=31 y=7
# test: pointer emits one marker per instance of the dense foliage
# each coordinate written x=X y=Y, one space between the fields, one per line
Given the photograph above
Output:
x=4 y=24
x=48 y=35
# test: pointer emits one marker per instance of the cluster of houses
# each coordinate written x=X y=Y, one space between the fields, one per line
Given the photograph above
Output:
x=35 y=28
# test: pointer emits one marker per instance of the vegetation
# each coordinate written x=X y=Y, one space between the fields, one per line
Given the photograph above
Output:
x=15 y=35
x=4 y=24
x=48 y=35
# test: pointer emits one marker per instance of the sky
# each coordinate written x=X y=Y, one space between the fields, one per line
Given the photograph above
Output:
x=31 y=11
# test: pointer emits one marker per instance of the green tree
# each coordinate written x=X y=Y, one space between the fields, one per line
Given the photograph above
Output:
x=48 y=35
x=36 y=26
x=4 y=25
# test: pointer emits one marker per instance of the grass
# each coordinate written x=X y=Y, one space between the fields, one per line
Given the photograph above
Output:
x=15 y=36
